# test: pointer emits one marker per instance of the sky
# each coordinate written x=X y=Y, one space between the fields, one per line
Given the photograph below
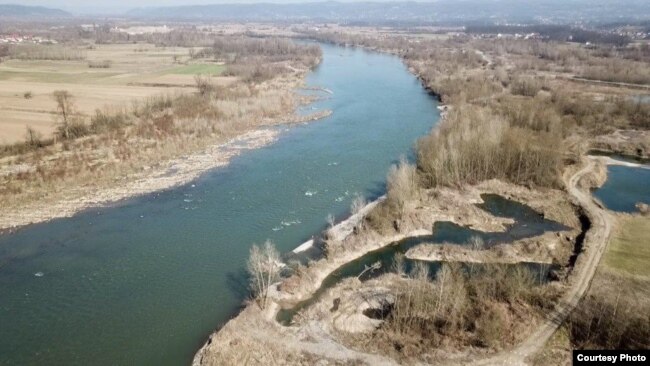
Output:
x=99 y=6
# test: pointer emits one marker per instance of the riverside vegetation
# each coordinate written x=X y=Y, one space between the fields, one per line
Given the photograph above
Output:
x=116 y=145
x=515 y=113
x=512 y=117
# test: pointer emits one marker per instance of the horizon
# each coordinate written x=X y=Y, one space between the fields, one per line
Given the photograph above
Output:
x=115 y=7
x=81 y=7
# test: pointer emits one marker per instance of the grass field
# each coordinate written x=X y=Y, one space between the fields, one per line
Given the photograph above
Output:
x=136 y=71
x=629 y=250
x=196 y=69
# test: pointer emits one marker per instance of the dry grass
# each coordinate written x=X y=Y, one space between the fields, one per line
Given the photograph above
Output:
x=557 y=351
x=131 y=76
x=112 y=143
x=614 y=313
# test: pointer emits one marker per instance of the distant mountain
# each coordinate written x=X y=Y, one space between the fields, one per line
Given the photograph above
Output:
x=22 y=11
x=542 y=11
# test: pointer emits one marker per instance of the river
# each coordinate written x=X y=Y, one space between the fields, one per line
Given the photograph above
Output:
x=145 y=281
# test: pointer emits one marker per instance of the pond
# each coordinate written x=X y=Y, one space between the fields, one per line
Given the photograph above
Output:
x=528 y=223
x=624 y=188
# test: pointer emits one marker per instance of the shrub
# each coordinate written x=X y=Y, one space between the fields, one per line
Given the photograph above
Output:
x=104 y=122
x=204 y=85
x=105 y=64
x=490 y=327
x=164 y=124
x=526 y=86
x=75 y=128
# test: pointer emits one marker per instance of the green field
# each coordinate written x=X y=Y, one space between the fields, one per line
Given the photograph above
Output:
x=629 y=250
x=195 y=69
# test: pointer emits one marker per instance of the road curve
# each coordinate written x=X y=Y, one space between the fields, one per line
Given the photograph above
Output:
x=594 y=246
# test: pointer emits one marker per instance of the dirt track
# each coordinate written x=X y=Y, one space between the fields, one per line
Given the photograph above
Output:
x=594 y=246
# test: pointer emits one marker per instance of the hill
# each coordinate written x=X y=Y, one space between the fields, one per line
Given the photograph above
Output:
x=407 y=11
x=22 y=11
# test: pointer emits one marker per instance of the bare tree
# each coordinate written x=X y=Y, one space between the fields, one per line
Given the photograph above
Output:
x=65 y=107
x=330 y=220
x=402 y=183
x=358 y=203
x=204 y=85
x=264 y=268
x=33 y=137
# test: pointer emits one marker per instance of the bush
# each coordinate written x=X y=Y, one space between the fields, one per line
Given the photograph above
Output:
x=104 y=122
x=204 y=85
x=75 y=128
x=151 y=105
x=254 y=72
x=164 y=124
x=99 y=64
x=527 y=87
x=490 y=327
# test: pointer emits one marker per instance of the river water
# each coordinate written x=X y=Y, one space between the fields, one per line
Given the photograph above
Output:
x=144 y=282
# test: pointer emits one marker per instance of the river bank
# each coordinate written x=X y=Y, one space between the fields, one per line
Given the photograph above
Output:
x=180 y=253
x=449 y=205
x=572 y=176
x=159 y=176
x=532 y=250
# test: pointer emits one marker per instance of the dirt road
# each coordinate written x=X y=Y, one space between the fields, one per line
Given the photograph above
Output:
x=593 y=248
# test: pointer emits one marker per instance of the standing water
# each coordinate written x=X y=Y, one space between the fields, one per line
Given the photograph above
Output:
x=145 y=282
x=625 y=187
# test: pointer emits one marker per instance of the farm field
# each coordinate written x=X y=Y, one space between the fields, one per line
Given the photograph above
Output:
x=136 y=71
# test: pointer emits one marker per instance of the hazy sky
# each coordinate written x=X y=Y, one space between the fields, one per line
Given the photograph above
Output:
x=78 y=6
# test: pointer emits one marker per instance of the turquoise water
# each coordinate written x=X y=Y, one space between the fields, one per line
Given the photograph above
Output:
x=146 y=281
x=625 y=186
